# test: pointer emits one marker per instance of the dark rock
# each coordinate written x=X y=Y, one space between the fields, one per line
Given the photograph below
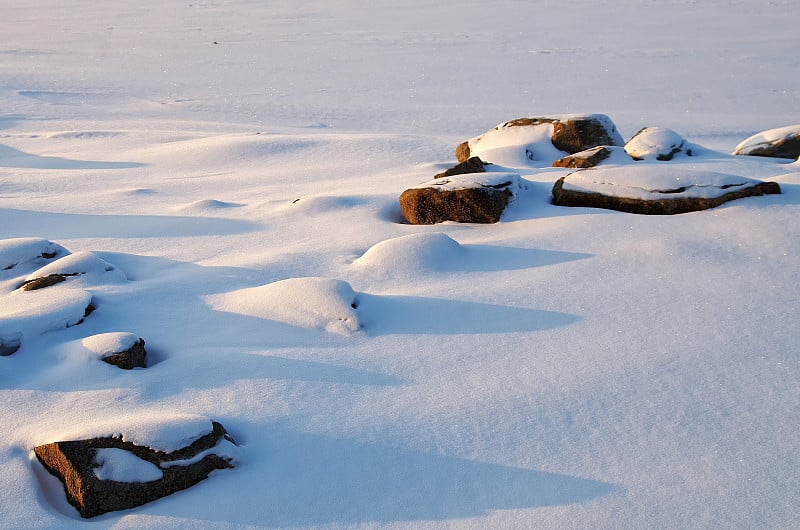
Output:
x=9 y=345
x=133 y=357
x=45 y=281
x=657 y=201
x=465 y=201
x=571 y=134
x=74 y=463
x=775 y=143
x=584 y=159
x=471 y=165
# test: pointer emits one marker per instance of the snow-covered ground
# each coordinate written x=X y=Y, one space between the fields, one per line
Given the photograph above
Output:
x=229 y=172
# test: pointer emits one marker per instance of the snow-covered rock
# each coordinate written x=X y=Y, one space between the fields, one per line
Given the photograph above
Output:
x=412 y=254
x=322 y=303
x=537 y=142
x=783 y=142
x=654 y=189
x=122 y=349
x=28 y=251
x=470 y=198
x=108 y=473
x=656 y=143
x=602 y=154
x=85 y=267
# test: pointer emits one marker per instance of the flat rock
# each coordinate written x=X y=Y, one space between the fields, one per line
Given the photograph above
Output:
x=470 y=198
x=540 y=140
x=658 y=190
x=105 y=474
x=657 y=143
x=777 y=143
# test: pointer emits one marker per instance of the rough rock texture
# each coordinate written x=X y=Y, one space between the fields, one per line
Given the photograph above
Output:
x=471 y=165
x=776 y=143
x=466 y=200
x=73 y=462
x=584 y=159
x=45 y=281
x=662 y=202
x=656 y=142
x=571 y=134
x=133 y=357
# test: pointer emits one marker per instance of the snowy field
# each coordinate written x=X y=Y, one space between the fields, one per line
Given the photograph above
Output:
x=227 y=173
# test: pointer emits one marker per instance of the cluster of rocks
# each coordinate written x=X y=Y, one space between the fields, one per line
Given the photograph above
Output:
x=44 y=288
x=478 y=190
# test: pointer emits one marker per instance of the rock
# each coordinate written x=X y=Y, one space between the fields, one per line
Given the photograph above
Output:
x=654 y=190
x=471 y=165
x=121 y=349
x=565 y=135
x=657 y=143
x=9 y=344
x=45 y=281
x=777 y=143
x=471 y=198
x=106 y=474
x=589 y=157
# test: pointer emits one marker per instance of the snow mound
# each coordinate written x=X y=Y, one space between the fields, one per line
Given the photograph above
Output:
x=24 y=314
x=656 y=143
x=28 y=251
x=413 y=253
x=120 y=465
x=114 y=342
x=88 y=267
x=208 y=206
x=161 y=431
x=321 y=303
x=654 y=182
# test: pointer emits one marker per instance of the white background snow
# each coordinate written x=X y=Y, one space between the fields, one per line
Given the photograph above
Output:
x=564 y=368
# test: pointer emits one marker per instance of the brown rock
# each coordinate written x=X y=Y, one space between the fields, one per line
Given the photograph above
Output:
x=775 y=143
x=584 y=159
x=462 y=199
x=471 y=165
x=73 y=462
x=133 y=357
x=45 y=281
x=661 y=205
x=570 y=133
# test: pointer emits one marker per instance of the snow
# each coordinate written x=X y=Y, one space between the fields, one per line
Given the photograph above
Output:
x=105 y=343
x=655 y=182
x=123 y=466
x=88 y=268
x=654 y=142
x=561 y=366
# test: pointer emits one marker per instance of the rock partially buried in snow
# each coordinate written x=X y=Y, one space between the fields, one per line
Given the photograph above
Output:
x=24 y=314
x=657 y=143
x=322 y=303
x=777 y=143
x=28 y=251
x=109 y=473
x=471 y=198
x=121 y=349
x=654 y=189
x=592 y=157
x=524 y=141
x=83 y=265
x=471 y=165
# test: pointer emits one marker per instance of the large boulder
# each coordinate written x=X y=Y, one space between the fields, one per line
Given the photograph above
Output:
x=541 y=139
x=659 y=190
x=657 y=143
x=777 y=143
x=109 y=473
x=470 y=198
